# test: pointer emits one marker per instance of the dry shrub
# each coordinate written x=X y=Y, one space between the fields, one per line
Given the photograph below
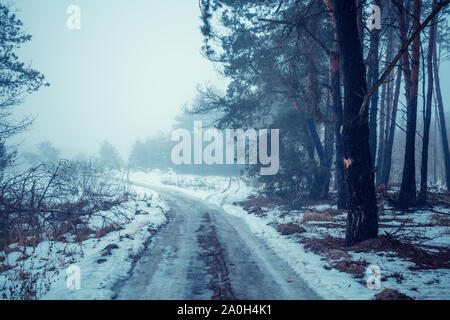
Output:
x=319 y=217
x=53 y=202
x=7 y=250
x=441 y=220
x=290 y=228
x=404 y=221
x=439 y=199
x=57 y=197
x=423 y=259
x=260 y=201
x=84 y=233
x=390 y=294
x=106 y=230
x=355 y=268
x=5 y=267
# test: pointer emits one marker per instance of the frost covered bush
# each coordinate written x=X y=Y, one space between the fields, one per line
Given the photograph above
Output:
x=53 y=202
x=55 y=193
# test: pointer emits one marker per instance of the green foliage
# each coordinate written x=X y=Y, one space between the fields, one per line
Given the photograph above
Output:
x=17 y=80
x=265 y=49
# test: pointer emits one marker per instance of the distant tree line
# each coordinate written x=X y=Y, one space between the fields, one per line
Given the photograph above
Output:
x=155 y=153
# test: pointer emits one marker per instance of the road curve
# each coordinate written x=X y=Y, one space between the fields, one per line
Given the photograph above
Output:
x=202 y=253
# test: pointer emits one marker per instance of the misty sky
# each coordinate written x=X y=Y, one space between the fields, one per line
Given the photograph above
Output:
x=123 y=76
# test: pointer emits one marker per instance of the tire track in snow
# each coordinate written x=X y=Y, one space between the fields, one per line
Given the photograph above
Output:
x=204 y=253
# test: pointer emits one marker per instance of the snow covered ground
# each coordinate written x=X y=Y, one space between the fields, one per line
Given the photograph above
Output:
x=199 y=186
x=328 y=282
x=103 y=261
x=395 y=272
x=51 y=268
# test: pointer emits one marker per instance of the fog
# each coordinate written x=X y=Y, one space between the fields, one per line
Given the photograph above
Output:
x=122 y=77
x=300 y=146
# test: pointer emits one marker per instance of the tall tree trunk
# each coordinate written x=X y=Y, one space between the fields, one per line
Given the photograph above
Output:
x=329 y=148
x=408 y=196
x=443 y=126
x=316 y=181
x=385 y=117
x=381 y=133
x=322 y=173
x=435 y=179
x=359 y=19
x=362 y=220
x=427 y=117
x=336 y=102
x=387 y=162
x=374 y=73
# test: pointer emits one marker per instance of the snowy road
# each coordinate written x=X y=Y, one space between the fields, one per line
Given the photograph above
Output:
x=204 y=253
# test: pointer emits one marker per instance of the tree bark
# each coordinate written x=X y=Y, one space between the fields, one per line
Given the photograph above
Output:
x=381 y=132
x=443 y=126
x=329 y=152
x=359 y=19
x=336 y=102
x=387 y=162
x=362 y=220
x=408 y=196
x=321 y=179
x=427 y=117
x=374 y=74
x=387 y=102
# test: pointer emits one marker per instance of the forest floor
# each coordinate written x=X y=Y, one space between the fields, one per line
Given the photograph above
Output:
x=412 y=252
x=207 y=236
x=103 y=249
x=203 y=253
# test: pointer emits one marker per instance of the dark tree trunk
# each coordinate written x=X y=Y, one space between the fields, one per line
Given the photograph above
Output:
x=359 y=19
x=387 y=100
x=443 y=126
x=315 y=138
x=435 y=178
x=381 y=133
x=373 y=78
x=362 y=221
x=321 y=177
x=335 y=88
x=408 y=196
x=336 y=102
x=329 y=148
x=316 y=180
x=427 y=116
x=387 y=162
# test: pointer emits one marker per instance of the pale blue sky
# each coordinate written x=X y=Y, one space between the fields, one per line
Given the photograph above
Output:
x=123 y=76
